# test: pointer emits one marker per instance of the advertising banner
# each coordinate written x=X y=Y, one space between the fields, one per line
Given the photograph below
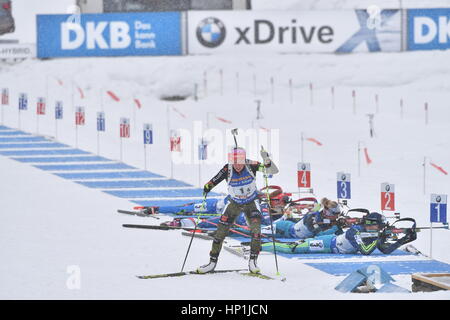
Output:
x=17 y=51
x=112 y=34
x=428 y=29
x=291 y=32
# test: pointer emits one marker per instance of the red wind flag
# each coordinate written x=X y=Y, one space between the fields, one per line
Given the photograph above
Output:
x=176 y=110
x=265 y=129
x=81 y=93
x=439 y=168
x=223 y=120
x=315 y=141
x=138 y=103
x=113 y=96
x=368 y=160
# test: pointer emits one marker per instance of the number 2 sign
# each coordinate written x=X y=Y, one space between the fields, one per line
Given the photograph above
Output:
x=387 y=197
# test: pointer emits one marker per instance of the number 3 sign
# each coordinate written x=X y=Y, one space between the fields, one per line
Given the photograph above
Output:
x=387 y=197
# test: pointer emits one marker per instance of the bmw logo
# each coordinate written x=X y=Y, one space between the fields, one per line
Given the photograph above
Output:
x=388 y=187
x=344 y=177
x=211 y=32
x=438 y=199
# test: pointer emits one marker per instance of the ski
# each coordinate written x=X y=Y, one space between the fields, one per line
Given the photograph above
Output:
x=257 y=275
x=411 y=249
x=162 y=227
x=180 y=274
x=138 y=213
x=238 y=250
x=204 y=236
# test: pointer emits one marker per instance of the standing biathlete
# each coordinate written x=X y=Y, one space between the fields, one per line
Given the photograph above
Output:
x=240 y=176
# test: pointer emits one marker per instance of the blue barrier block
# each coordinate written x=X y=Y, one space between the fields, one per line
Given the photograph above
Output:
x=133 y=184
x=4 y=128
x=22 y=139
x=391 y=267
x=351 y=282
x=31 y=145
x=75 y=167
x=108 y=175
x=43 y=152
x=62 y=159
x=159 y=193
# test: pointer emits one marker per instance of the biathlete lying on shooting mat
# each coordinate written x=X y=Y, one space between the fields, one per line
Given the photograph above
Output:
x=370 y=233
x=312 y=224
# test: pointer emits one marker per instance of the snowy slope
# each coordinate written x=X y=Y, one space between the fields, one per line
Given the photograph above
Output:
x=49 y=223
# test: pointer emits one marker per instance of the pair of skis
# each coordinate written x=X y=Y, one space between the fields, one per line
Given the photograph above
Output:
x=180 y=274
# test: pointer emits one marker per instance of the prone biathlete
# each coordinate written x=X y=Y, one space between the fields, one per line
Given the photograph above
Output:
x=317 y=223
x=364 y=238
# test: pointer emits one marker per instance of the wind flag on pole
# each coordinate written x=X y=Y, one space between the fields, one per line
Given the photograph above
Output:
x=314 y=140
x=113 y=96
x=81 y=92
x=223 y=120
x=138 y=103
x=439 y=168
x=176 y=110
x=366 y=153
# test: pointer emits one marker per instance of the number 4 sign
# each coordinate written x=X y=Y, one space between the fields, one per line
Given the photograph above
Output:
x=438 y=208
x=304 y=175
x=387 y=197
x=343 y=185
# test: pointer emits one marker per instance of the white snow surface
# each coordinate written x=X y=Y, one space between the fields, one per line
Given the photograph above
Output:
x=49 y=224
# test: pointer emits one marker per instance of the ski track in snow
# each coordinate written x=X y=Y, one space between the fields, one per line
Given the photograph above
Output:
x=49 y=223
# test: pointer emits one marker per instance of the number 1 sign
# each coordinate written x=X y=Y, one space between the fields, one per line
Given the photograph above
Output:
x=387 y=197
x=438 y=208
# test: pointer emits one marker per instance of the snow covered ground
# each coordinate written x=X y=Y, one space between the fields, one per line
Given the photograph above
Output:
x=49 y=224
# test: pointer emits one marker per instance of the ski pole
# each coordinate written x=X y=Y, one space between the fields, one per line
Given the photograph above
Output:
x=270 y=216
x=193 y=233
